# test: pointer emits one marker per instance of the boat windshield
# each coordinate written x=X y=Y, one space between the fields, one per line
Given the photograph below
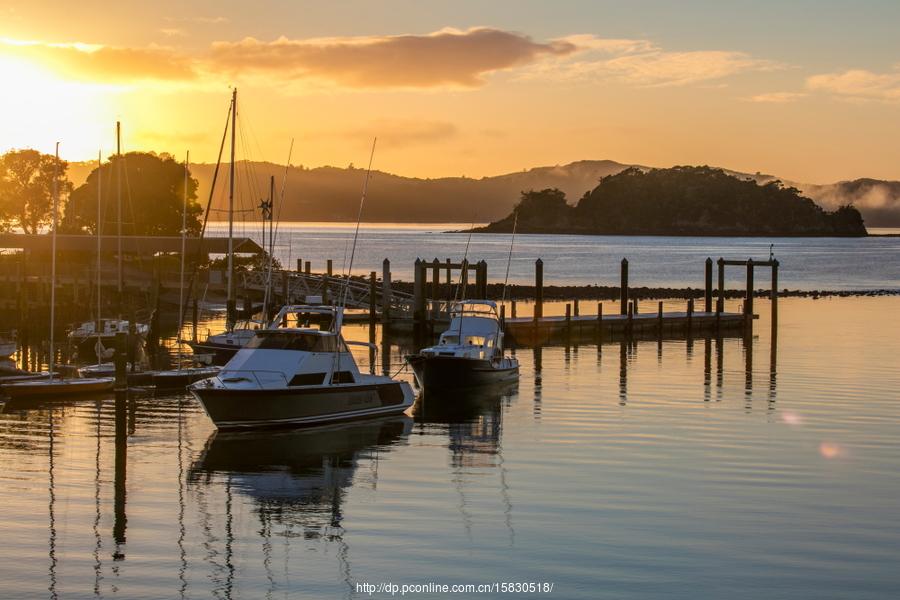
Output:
x=274 y=339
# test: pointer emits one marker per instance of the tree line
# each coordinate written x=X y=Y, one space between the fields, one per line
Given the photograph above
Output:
x=680 y=201
x=151 y=187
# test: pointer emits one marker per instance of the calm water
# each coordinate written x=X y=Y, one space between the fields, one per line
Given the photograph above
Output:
x=806 y=263
x=638 y=470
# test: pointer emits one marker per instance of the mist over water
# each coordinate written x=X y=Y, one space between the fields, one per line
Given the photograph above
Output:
x=871 y=263
x=673 y=469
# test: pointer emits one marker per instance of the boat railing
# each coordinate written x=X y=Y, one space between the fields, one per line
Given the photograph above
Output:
x=268 y=379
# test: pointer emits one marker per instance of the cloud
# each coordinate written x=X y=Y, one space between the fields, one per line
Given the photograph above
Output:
x=398 y=132
x=201 y=19
x=859 y=84
x=173 y=32
x=448 y=57
x=776 y=97
x=105 y=64
x=643 y=63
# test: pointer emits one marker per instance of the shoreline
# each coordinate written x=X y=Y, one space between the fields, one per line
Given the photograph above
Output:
x=600 y=292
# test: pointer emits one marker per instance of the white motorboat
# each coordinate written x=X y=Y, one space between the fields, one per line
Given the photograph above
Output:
x=299 y=373
x=469 y=353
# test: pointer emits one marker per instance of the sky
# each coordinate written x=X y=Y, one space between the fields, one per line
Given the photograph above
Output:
x=805 y=90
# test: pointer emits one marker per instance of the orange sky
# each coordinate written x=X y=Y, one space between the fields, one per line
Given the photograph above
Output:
x=462 y=89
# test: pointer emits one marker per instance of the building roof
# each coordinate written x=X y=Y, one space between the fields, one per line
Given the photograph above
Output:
x=130 y=244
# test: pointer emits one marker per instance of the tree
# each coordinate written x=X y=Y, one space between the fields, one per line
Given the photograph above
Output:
x=26 y=188
x=152 y=188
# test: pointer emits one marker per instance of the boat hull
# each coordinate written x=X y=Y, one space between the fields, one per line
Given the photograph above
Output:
x=250 y=408
x=221 y=353
x=86 y=346
x=61 y=388
x=450 y=372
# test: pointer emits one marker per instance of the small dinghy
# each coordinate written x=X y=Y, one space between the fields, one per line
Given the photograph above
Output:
x=57 y=387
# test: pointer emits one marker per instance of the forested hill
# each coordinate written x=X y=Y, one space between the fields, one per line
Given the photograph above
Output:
x=332 y=193
x=680 y=201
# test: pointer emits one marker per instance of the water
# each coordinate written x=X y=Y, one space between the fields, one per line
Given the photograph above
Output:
x=870 y=263
x=643 y=470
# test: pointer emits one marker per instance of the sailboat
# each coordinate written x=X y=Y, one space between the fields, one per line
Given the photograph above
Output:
x=52 y=386
x=181 y=377
x=299 y=371
x=97 y=337
x=222 y=346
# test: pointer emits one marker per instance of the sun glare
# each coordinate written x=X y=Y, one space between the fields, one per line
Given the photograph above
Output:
x=39 y=108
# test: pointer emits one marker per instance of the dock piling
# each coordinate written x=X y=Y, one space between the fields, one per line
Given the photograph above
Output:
x=748 y=302
x=538 y=289
x=372 y=288
x=707 y=296
x=385 y=290
x=120 y=360
x=720 y=300
x=623 y=287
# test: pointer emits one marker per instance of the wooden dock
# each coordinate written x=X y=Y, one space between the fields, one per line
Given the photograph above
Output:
x=529 y=330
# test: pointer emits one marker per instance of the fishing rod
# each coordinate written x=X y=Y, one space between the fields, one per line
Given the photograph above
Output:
x=509 y=258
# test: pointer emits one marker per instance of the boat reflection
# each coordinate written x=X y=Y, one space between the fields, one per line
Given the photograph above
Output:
x=298 y=476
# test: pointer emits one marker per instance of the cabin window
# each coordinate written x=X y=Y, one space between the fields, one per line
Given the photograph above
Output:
x=449 y=339
x=475 y=340
x=307 y=379
x=273 y=339
x=342 y=377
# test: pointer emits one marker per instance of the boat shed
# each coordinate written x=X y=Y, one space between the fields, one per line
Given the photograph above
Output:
x=143 y=245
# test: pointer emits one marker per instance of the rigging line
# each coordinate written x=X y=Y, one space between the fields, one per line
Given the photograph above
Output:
x=212 y=190
x=464 y=277
x=273 y=231
x=362 y=201
x=509 y=258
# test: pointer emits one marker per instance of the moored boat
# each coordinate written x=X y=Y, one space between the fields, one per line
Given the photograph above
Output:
x=299 y=374
x=57 y=387
x=469 y=353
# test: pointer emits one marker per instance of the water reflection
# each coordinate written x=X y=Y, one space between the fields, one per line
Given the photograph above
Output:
x=297 y=481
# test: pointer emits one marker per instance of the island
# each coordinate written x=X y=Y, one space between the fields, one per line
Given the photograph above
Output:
x=684 y=200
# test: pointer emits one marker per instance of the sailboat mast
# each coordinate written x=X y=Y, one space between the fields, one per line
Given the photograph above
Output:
x=230 y=317
x=53 y=260
x=187 y=160
x=120 y=278
x=99 y=192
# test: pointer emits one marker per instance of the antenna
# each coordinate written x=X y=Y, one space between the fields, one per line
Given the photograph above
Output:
x=509 y=258
x=362 y=201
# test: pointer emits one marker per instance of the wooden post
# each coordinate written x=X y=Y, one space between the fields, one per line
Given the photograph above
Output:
x=659 y=318
x=418 y=293
x=623 y=287
x=464 y=278
x=708 y=288
x=372 y=289
x=720 y=301
x=483 y=290
x=285 y=276
x=599 y=321
x=538 y=289
x=635 y=302
x=435 y=288
x=630 y=323
x=512 y=306
x=449 y=281
x=774 y=294
x=195 y=313
x=326 y=284
x=248 y=307
x=299 y=265
x=385 y=290
x=121 y=362
x=308 y=267
x=568 y=318
x=575 y=306
x=748 y=302
x=690 y=315
x=502 y=315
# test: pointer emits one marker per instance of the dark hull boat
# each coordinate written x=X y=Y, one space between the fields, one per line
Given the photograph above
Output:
x=292 y=407
x=469 y=354
x=450 y=372
x=298 y=375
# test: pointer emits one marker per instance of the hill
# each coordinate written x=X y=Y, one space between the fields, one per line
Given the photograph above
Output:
x=680 y=201
x=332 y=193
